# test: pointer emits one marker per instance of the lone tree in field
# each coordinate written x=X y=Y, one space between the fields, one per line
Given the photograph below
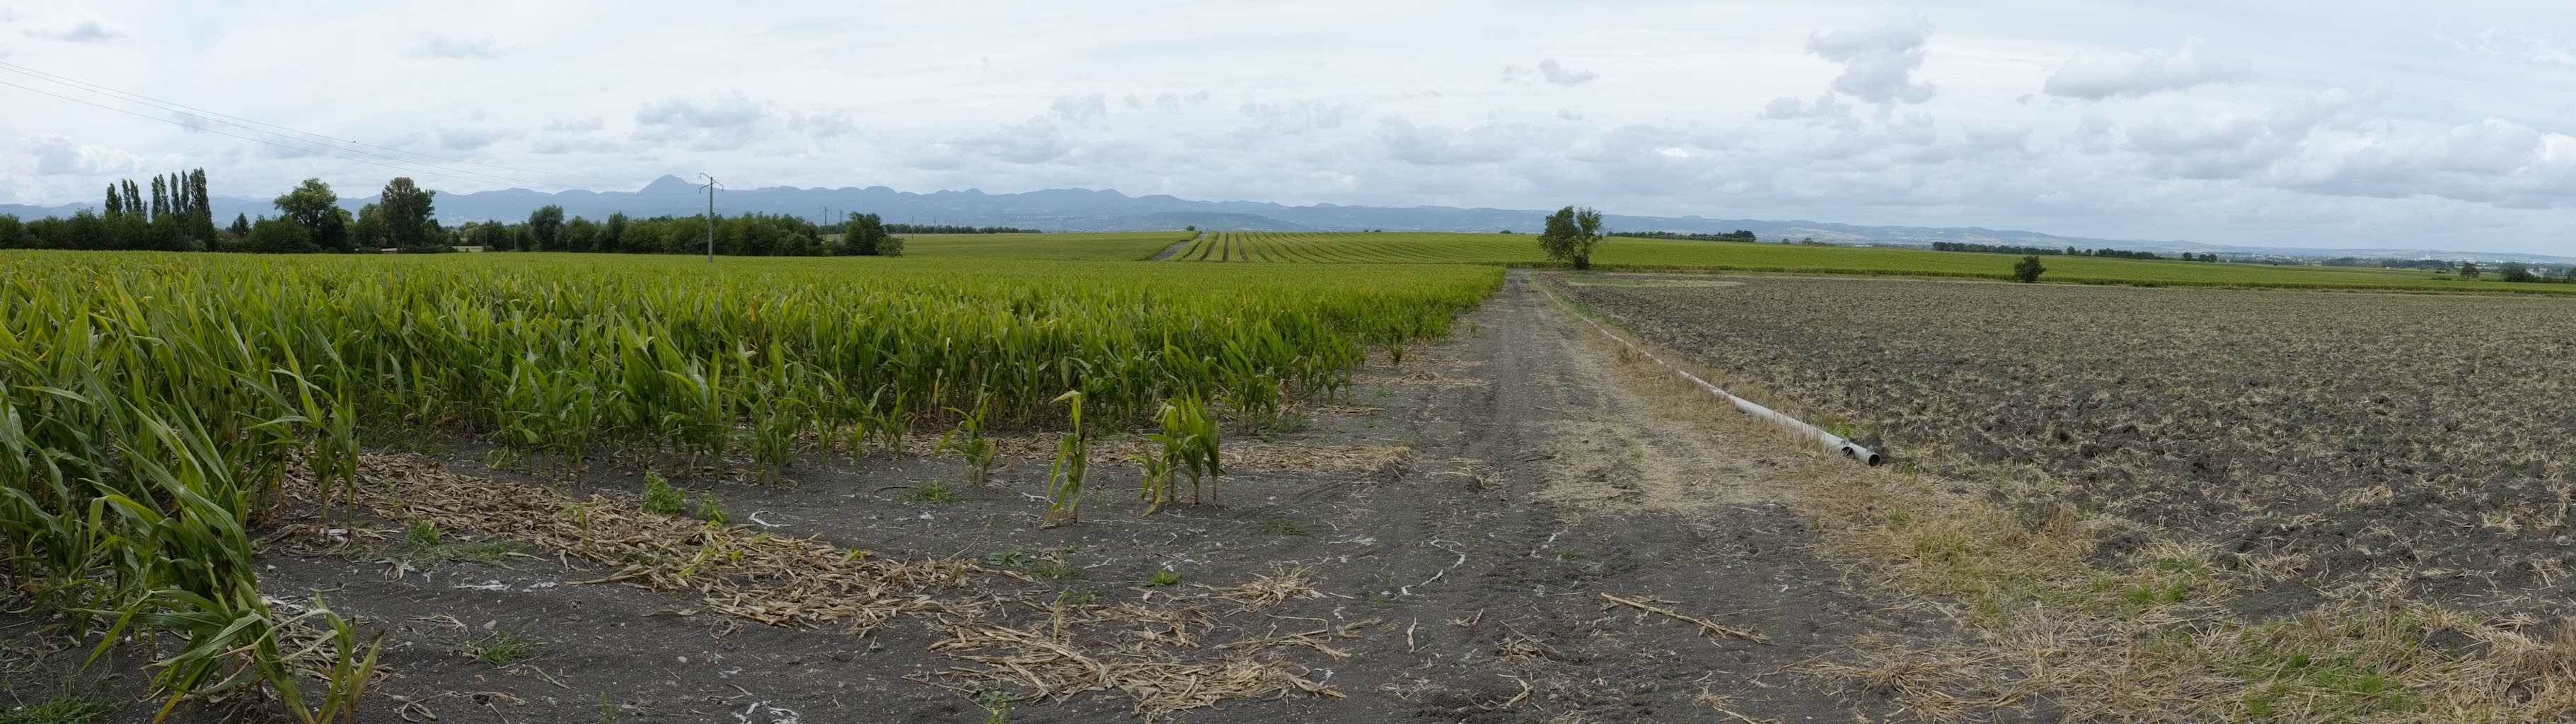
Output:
x=1570 y=236
x=2028 y=270
x=866 y=235
x=407 y=212
x=2468 y=271
x=306 y=205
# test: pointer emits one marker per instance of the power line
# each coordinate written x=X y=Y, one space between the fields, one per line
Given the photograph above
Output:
x=176 y=106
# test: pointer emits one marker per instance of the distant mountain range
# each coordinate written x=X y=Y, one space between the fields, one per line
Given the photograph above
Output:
x=1066 y=210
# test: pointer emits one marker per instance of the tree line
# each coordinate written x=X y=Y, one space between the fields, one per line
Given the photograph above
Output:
x=947 y=229
x=1736 y=235
x=753 y=234
x=2107 y=253
x=2518 y=272
x=176 y=216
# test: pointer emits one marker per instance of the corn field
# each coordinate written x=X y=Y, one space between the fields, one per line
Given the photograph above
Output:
x=151 y=405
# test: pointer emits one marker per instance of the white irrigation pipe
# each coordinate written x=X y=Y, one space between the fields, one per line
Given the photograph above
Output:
x=1831 y=441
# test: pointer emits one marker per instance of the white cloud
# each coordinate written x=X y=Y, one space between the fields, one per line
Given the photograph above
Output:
x=821 y=124
x=1549 y=71
x=1081 y=109
x=1826 y=110
x=723 y=122
x=1174 y=102
x=84 y=30
x=442 y=46
x=57 y=155
x=2116 y=75
x=1878 y=62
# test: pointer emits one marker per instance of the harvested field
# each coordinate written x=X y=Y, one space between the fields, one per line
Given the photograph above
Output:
x=2331 y=445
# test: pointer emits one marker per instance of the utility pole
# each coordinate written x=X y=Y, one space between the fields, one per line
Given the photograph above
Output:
x=711 y=218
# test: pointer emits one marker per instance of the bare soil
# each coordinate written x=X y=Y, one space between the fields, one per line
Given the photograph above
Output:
x=2335 y=445
x=1497 y=531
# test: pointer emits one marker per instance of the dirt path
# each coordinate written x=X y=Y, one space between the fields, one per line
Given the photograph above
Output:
x=1177 y=247
x=1460 y=523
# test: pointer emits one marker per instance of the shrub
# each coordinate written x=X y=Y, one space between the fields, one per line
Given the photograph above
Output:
x=2028 y=270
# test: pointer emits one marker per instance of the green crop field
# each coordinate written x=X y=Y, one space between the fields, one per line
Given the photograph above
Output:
x=157 y=410
x=1124 y=246
x=1631 y=254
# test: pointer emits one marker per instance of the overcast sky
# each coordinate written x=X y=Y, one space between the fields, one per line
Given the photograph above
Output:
x=2299 y=124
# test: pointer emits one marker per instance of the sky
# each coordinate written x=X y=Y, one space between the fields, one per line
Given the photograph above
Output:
x=2317 y=124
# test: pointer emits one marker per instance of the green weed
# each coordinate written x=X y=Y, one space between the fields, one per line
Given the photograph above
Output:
x=660 y=497
x=1054 y=570
x=1013 y=558
x=934 y=493
x=1282 y=526
x=502 y=648
x=711 y=511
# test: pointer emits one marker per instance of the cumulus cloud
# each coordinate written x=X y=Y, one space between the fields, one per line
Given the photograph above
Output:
x=57 y=155
x=442 y=46
x=2117 y=75
x=1827 y=110
x=86 y=30
x=1987 y=138
x=1549 y=71
x=821 y=125
x=2093 y=134
x=1081 y=109
x=1174 y=102
x=1878 y=62
x=722 y=122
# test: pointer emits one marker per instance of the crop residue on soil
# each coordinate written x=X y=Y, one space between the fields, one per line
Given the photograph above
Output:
x=1452 y=543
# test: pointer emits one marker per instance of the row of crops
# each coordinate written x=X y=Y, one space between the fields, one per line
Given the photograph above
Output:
x=1372 y=247
x=151 y=405
x=1651 y=255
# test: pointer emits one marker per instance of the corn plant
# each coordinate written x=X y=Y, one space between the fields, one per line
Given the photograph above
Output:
x=1072 y=462
x=151 y=410
x=1187 y=443
x=968 y=441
